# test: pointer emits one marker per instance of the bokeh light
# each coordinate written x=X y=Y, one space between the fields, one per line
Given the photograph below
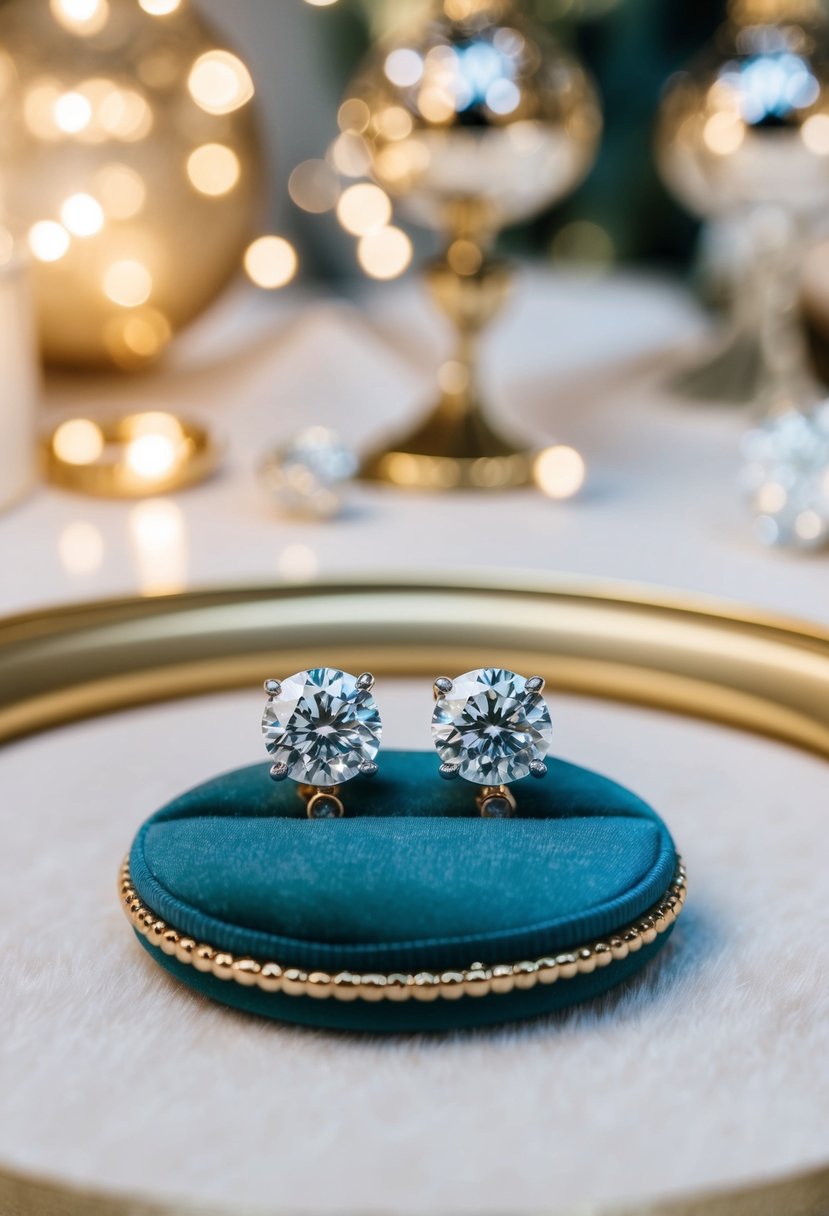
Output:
x=72 y=112
x=815 y=134
x=80 y=548
x=314 y=187
x=271 y=262
x=128 y=283
x=364 y=209
x=404 y=67
x=84 y=17
x=48 y=240
x=385 y=254
x=298 y=563
x=139 y=335
x=158 y=532
x=219 y=82
x=349 y=155
x=353 y=116
x=159 y=8
x=213 y=169
x=78 y=441
x=82 y=215
x=151 y=457
x=559 y=471
x=121 y=190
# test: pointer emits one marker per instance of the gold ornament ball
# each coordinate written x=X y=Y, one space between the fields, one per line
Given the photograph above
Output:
x=748 y=123
x=131 y=167
x=475 y=120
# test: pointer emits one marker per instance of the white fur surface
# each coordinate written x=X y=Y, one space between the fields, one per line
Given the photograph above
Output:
x=712 y=1070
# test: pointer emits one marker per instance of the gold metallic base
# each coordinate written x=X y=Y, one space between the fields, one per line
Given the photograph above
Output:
x=456 y=448
x=474 y=981
x=322 y=802
x=496 y=802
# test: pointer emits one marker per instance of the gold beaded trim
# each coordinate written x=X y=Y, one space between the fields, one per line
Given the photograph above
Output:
x=478 y=980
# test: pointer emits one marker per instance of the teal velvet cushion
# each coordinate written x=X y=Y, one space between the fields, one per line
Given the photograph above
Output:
x=410 y=881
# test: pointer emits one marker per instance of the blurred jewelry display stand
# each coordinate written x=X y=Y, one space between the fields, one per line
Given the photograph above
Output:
x=474 y=122
x=763 y=359
x=19 y=376
x=744 y=136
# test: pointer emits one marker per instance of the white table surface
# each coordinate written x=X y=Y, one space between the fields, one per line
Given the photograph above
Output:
x=574 y=360
x=711 y=1073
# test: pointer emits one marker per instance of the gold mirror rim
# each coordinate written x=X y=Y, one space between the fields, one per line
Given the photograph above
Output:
x=755 y=671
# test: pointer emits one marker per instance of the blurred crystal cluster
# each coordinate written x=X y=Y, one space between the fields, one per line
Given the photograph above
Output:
x=308 y=475
x=474 y=108
x=786 y=478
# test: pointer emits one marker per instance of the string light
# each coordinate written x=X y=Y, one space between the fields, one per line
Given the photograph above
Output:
x=271 y=262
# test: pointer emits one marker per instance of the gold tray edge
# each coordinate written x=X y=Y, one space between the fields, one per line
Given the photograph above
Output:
x=802 y=1194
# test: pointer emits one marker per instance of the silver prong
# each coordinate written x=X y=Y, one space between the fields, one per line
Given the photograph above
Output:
x=442 y=687
x=538 y=768
x=365 y=682
x=535 y=684
x=368 y=769
x=449 y=771
x=273 y=688
x=278 y=772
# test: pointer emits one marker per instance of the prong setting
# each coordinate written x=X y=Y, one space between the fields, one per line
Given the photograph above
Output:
x=538 y=769
x=493 y=726
x=442 y=687
x=321 y=726
x=449 y=771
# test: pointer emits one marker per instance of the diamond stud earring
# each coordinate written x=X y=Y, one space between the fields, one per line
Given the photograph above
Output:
x=322 y=727
x=491 y=727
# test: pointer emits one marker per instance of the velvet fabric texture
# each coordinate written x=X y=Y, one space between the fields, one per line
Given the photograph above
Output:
x=411 y=880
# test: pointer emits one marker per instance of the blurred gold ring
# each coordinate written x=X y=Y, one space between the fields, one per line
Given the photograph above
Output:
x=130 y=456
